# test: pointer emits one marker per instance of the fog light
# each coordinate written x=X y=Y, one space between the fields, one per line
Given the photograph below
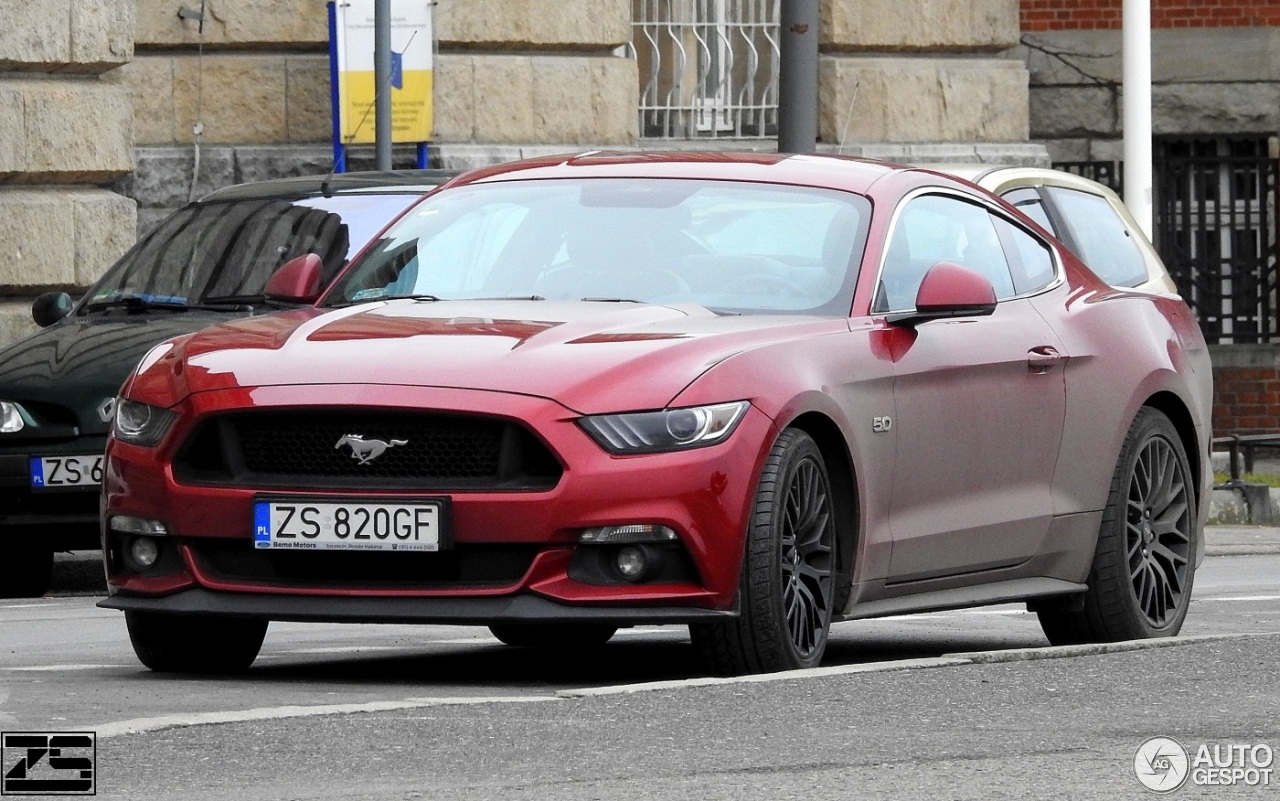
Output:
x=632 y=562
x=143 y=552
x=632 y=532
x=128 y=524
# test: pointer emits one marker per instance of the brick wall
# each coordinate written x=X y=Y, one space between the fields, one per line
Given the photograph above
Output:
x=1246 y=389
x=1078 y=15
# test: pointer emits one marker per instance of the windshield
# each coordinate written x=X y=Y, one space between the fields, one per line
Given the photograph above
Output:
x=230 y=248
x=727 y=245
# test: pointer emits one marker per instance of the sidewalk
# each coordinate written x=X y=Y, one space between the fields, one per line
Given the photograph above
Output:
x=1241 y=540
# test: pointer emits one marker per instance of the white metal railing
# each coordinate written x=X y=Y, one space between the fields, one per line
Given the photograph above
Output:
x=708 y=68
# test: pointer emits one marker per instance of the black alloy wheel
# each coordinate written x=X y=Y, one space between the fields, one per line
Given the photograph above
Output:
x=1157 y=532
x=787 y=590
x=1144 y=566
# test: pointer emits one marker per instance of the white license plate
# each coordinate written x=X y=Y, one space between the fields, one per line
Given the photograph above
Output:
x=347 y=526
x=66 y=471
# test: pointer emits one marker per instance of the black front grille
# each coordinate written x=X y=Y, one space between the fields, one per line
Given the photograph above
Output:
x=365 y=449
x=464 y=566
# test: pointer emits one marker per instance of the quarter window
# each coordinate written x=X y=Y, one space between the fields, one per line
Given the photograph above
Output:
x=1028 y=201
x=1030 y=260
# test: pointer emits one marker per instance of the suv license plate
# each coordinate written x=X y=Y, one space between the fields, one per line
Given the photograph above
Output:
x=66 y=471
x=347 y=526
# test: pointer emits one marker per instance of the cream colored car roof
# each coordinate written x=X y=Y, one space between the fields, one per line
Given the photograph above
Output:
x=999 y=179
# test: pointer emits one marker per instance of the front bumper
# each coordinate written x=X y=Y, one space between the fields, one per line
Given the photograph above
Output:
x=704 y=494
x=462 y=611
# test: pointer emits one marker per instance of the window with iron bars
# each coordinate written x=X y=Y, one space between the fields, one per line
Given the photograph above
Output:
x=708 y=68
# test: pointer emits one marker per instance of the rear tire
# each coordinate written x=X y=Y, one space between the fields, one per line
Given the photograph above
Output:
x=1144 y=565
x=26 y=570
x=787 y=590
x=195 y=643
x=553 y=635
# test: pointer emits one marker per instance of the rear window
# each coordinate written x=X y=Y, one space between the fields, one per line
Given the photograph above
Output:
x=1102 y=239
x=232 y=247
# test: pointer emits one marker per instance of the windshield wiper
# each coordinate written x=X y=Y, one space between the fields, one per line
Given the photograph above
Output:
x=140 y=303
x=243 y=302
x=611 y=300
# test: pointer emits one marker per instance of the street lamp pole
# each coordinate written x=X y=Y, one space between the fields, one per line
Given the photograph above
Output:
x=1136 y=21
x=798 y=77
x=382 y=82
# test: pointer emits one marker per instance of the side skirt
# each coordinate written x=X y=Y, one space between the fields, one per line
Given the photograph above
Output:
x=963 y=597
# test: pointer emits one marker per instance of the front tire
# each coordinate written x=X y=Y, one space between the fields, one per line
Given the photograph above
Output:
x=787 y=589
x=1144 y=565
x=195 y=643
x=26 y=570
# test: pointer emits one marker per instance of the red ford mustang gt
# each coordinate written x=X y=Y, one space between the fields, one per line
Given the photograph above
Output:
x=753 y=394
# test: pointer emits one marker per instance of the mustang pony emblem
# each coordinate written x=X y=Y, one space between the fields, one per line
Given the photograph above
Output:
x=365 y=450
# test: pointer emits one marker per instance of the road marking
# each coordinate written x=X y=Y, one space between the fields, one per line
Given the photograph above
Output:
x=835 y=670
x=1242 y=598
x=44 y=604
x=140 y=725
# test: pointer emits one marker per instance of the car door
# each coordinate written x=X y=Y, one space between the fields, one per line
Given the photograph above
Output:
x=979 y=401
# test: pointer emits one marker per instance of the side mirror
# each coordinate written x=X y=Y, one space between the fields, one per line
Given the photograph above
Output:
x=51 y=307
x=296 y=281
x=949 y=290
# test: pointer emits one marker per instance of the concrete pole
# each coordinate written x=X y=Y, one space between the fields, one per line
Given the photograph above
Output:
x=798 y=77
x=1137 y=111
x=382 y=81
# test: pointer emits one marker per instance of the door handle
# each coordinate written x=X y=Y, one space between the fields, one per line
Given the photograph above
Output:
x=1044 y=358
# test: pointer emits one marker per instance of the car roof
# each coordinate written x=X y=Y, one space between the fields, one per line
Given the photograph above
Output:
x=380 y=182
x=999 y=176
x=827 y=171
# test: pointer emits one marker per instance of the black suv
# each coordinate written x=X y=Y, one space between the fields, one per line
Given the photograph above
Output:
x=243 y=250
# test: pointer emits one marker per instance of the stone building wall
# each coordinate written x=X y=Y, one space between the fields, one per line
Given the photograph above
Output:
x=511 y=77
x=1215 y=72
x=917 y=71
x=911 y=79
x=65 y=129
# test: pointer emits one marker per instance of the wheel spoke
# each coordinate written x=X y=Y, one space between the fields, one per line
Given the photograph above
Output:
x=806 y=536
x=1157 y=527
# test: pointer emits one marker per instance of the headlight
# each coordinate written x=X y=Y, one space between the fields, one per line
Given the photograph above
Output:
x=665 y=430
x=140 y=424
x=10 y=418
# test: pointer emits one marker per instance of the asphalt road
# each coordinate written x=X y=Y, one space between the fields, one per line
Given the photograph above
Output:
x=334 y=711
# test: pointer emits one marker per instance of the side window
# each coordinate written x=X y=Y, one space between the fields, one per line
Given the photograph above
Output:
x=1027 y=200
x=935 y=228
x=1030 y=260
x=1104 y=241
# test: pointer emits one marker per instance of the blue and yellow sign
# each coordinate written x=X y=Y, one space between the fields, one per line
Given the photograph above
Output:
x=412 y=51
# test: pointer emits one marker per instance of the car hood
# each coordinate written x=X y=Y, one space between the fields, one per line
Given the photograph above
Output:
x=589 y=356
x=65 y=372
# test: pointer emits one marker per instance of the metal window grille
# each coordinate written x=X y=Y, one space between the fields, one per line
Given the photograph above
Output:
x=708 y=68
x=1215 y=227
x=1216 y=230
